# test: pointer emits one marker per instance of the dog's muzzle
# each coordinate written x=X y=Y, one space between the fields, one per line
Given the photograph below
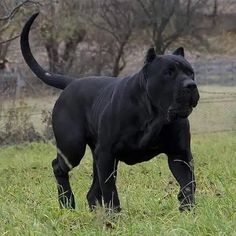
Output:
x=185 y=100
x=190 y=88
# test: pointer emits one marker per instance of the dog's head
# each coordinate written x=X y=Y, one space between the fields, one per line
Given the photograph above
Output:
x=170 y=83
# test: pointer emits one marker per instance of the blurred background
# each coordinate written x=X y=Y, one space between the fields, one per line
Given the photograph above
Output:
x=111 y=37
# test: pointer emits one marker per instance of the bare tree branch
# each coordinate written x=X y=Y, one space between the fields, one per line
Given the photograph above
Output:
x=10 y=39
x=146 y=11
x=99 y=26
x=115 y=17
x=16 y=9
x=168 y=20
x=4 y=27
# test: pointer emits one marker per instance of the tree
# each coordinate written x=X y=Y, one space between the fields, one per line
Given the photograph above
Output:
x=62 y=31
x=168 y=20
x=115 y=18
x=9 y=10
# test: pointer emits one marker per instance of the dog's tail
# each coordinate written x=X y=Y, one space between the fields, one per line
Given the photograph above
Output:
x=51 y=79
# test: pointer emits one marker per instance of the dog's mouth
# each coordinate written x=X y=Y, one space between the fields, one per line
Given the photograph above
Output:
x=183 y=105
x=175 y=113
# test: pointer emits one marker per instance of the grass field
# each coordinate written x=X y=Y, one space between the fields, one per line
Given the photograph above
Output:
x=28 y=203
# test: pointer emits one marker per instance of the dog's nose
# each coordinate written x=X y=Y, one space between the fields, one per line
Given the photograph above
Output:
x=189 y=84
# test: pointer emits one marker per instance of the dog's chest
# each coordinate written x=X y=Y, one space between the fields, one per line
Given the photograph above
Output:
x=141 y=136
x=134 y=156
x=130 y=151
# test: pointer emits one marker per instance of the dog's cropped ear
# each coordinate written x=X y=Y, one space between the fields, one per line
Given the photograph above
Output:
x=179 y=52
x=150 y=56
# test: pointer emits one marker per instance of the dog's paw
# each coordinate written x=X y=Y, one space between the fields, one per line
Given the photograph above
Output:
x=186 y=207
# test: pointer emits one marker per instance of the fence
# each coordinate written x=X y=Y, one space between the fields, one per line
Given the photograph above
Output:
x=12 y=82
x=207 y=72
x=216 y=111
x=15 y=82
x=217 y=71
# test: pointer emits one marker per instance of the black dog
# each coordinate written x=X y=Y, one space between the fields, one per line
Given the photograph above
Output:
x=130 y=119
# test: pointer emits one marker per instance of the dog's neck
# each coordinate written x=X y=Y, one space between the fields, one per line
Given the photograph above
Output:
x=154 y=111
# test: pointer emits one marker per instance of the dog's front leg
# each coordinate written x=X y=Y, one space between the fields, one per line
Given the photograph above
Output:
x=182 y=168
x=107 y=170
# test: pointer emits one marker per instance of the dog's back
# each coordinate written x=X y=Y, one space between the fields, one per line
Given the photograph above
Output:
x=80 y=96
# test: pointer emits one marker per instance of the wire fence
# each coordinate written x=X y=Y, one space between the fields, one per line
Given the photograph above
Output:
x=217 y=71
x=205 y=119
x=215 y=113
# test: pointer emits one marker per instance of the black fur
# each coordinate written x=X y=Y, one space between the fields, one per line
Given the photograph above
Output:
x=130 y=119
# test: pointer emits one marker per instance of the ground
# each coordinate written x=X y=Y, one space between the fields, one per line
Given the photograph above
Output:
x=28 y=196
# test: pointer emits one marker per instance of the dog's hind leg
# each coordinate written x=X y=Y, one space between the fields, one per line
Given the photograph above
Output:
x=65 y=194
x=65 y=161
x=71 y=144
x=94 y=195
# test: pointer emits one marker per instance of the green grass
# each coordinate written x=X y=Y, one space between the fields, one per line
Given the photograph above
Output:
x=28 y=196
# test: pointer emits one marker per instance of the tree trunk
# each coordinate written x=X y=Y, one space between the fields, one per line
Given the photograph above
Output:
x=63 y=63
x=70 y=50
x=116 y=68
x=53 y=57
x=159 y=46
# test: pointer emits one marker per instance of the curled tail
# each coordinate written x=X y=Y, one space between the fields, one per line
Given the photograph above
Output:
x=54 y=80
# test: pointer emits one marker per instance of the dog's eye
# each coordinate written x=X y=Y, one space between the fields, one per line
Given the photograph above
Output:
x=191 y=74
x=170 y=72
